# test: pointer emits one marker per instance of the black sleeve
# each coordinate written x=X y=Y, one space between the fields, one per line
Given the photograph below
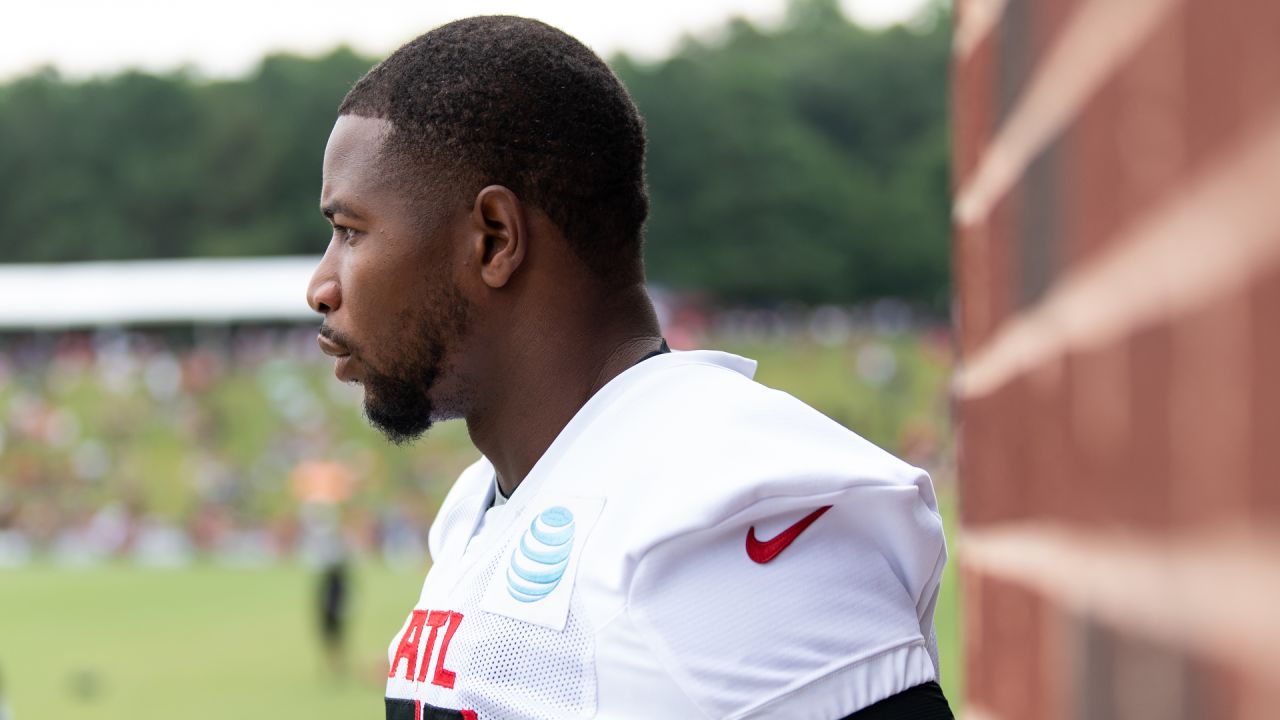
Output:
x=922 y=702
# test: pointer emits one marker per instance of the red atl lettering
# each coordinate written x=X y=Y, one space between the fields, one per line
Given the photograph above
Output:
x=411 y=639
x=408 y=648
x=436 y=619
x=444 y=678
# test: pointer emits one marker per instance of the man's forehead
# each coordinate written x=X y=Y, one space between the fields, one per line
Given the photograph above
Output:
x=352 y=157
x=355 y=140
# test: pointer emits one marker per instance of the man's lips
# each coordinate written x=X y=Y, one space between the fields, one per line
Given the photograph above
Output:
x=339 y=351
x=331 y=348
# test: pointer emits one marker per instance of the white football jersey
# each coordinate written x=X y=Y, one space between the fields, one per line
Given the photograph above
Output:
x=692 y=545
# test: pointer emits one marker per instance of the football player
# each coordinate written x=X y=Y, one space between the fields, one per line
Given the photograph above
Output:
x=648 y=533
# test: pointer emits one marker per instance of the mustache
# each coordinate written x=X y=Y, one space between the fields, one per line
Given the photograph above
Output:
x=336 y=336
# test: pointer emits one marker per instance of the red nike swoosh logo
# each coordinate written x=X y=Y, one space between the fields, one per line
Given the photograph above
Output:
x=762 y=551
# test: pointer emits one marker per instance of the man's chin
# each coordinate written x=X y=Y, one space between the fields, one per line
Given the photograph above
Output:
x=402 y=410
x=401 y=422
x=397 y=429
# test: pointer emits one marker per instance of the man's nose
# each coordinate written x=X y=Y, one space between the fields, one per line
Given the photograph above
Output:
x=324 y=295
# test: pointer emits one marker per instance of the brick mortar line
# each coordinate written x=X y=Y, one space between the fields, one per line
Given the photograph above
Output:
x=1161 y=266
x=1097 y=38
x=1212 y=590
x=977 y=19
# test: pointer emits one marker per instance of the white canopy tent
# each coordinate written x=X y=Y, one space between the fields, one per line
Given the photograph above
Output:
x=200 y=291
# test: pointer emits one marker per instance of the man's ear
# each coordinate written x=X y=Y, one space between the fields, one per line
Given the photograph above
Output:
x=501 y=234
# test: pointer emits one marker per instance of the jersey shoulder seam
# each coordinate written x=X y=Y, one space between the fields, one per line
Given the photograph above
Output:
x=832 y=670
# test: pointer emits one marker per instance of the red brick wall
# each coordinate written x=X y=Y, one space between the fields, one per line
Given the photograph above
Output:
x=1117 y=255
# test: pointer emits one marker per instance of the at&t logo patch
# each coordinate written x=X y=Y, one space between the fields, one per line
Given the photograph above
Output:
x=539 y=561
x=539 y=566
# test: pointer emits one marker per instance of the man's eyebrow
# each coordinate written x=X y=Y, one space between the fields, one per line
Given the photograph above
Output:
x=338 y=208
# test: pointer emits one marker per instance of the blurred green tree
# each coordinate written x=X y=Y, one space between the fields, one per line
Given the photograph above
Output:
x=807 y=163
x=804 y=162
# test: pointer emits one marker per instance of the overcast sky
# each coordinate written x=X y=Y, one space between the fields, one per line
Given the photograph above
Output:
x=227 y=37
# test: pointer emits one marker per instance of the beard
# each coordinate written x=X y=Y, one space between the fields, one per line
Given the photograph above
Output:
x=398 y=394
x=398 y=403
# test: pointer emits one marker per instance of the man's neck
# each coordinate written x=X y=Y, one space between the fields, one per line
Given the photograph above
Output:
x=548 y=381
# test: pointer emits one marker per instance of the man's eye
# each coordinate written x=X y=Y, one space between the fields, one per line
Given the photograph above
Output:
x=343 y=232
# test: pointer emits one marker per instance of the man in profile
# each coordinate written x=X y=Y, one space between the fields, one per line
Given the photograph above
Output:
x=648 y=533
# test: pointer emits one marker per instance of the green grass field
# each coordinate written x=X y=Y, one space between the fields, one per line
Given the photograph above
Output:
x=211 y=643
x=202 y=643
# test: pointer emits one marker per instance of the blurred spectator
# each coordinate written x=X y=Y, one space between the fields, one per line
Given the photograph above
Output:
x=322 y=487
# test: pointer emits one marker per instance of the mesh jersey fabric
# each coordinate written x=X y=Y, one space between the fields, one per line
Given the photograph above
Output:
x=661 y=489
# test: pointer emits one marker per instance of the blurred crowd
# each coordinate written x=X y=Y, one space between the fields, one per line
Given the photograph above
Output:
x=235 y=444
x=168 y=446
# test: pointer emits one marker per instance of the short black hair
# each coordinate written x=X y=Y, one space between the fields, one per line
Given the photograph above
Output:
x=515 y=102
